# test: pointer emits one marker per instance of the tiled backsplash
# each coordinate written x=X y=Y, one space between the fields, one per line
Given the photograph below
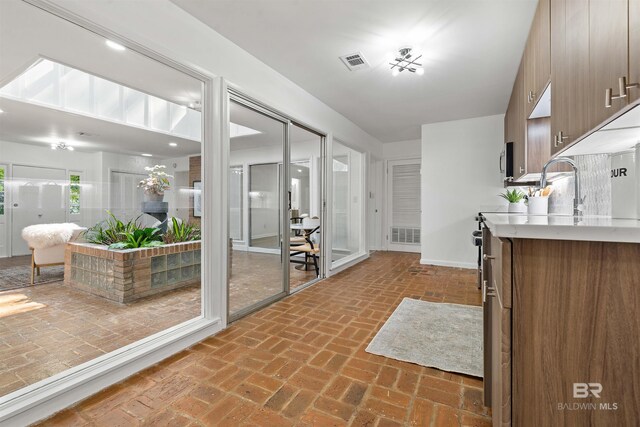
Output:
x=595 y=185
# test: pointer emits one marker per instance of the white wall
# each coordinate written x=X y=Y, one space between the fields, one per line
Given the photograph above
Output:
x=402 y=149
x=459 y=176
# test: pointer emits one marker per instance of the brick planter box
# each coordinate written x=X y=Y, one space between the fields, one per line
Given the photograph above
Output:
x=128 y=275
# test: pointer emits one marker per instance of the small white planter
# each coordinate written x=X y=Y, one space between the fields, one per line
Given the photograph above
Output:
x=519 y=207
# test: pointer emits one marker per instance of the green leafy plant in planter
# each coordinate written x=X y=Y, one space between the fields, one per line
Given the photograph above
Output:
x=140 y=238
x=513 y=196
x=111 y=230
x=181 y=232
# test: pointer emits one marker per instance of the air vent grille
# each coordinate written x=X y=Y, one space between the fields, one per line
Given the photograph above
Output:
x=405 y=235
x=354 y=61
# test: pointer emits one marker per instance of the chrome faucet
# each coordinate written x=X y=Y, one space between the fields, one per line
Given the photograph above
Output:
x=577 y=200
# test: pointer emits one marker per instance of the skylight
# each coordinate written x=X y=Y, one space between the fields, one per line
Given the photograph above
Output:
x=64 y=88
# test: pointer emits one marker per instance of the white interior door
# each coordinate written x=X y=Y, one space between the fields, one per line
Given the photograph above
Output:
x=403 y=205
x=37 y=197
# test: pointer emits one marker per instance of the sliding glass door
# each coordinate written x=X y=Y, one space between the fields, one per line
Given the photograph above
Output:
x=275 y=212
x=256 y=273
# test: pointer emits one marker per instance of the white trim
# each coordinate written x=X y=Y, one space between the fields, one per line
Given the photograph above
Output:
x=49 y=396
x=344 y=263
x=441 y=263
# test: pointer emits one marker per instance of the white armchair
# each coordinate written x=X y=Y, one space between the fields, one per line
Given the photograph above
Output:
x=47 y=244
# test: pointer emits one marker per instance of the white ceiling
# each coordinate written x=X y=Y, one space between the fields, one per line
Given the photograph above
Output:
x=471 y=53
x=33 y=124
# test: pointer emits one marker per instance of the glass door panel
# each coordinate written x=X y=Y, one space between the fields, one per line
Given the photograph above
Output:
x=348 y=204
x=256 y=275
x=305 y=207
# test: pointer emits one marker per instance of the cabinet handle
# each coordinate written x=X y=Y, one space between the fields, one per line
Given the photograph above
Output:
x=487 y=291
x=555 y=140
x=561 y=137
x=521 y=169
x=622 y=88
x=488 y=257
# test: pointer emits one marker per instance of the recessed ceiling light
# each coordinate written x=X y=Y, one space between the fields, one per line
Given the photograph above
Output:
x=1 y=111
x=147 y=155
x=173 y=144
x=115 y=46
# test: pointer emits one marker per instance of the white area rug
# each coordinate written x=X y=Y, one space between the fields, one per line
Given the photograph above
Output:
x=438 y=335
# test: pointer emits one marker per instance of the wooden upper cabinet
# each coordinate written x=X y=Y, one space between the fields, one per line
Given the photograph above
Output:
x=608 y=56
x=634 y=48
x=514 y=125
x=537 y=56
x=569 y=72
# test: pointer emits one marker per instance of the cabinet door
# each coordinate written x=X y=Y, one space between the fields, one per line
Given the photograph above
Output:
x=569 y=72
x=543 y=47
x=500 y=364
x=559 y=84
x=517 y=124
x=634 y=48
x=608 y=55
x=514 y=123
x=537 y=57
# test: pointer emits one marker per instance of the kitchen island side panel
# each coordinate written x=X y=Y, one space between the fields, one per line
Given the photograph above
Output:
x=575 y=323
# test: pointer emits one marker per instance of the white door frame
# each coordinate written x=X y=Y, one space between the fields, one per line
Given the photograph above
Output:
x=386 y=238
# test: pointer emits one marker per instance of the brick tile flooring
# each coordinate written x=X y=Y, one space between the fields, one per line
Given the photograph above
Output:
x=45 y=329
x=302 y=362
x=257 y=276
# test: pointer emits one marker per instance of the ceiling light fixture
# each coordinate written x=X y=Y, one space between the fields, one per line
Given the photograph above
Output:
x=1 y=111
x=173 y=144
x=61 y=146
x=115 y=46
x=405 y=61
x=146 y=155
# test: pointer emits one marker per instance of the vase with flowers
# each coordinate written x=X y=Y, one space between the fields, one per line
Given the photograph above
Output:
x=156 y=183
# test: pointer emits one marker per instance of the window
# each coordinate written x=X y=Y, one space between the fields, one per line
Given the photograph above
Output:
x=1 y=191
x=74 y=194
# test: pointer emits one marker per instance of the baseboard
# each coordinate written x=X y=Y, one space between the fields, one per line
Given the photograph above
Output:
x=441 y=263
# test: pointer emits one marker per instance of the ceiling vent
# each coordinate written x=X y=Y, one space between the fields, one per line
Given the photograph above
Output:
x=354 y=61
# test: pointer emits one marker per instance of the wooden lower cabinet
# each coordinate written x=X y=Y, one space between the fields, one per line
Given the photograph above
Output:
x=500 y=364
x=567 y=351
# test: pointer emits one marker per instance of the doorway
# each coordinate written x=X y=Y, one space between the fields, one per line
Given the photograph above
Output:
x=275 y=212
x=403 y=205
x=37 y=197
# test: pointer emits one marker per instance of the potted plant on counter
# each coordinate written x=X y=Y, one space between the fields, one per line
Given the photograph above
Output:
x=155 y=184
x=516 y=200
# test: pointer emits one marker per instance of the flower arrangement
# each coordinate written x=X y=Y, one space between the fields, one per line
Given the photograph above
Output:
x=157 y=182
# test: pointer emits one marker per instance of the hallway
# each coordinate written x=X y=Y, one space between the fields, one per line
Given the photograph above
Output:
x=301 y=361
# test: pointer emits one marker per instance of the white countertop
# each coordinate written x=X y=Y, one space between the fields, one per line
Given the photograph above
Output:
x=563 y=227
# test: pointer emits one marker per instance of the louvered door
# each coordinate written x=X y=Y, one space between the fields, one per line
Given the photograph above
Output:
x=403 y=205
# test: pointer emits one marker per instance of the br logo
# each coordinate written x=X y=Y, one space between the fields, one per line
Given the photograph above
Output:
x=584 y=390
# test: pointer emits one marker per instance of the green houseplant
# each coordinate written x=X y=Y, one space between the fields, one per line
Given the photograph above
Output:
x=111 y=230
x=516 y=200
x=181 y=232
x=139 y=238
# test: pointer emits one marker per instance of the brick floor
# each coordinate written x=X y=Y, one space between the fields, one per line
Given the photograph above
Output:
x=302 y=362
